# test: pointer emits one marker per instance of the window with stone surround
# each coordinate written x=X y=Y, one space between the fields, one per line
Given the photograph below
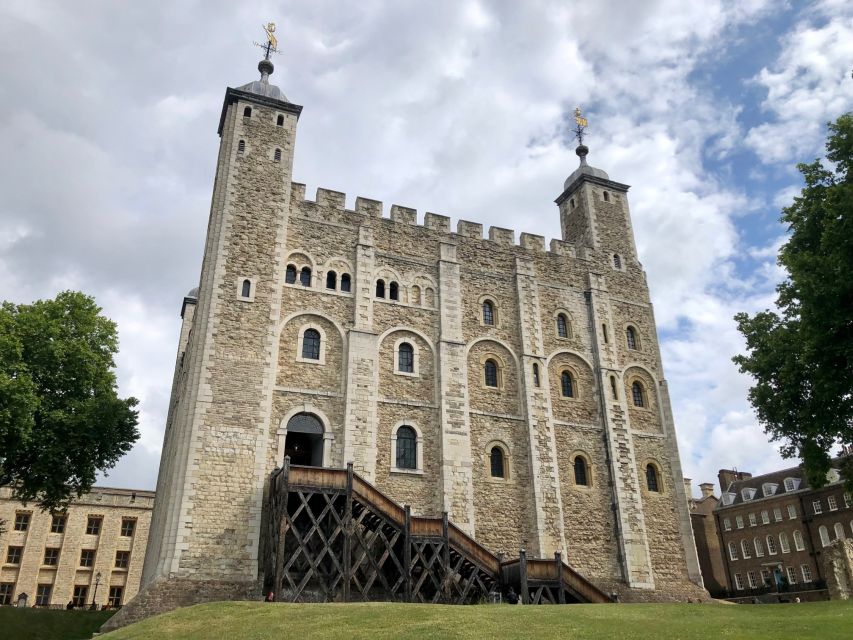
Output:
x=581 y=468
x=792 y=484
x=562 y=326
x=277 y=155
x=617 y=261
x=246 y=288
x=732 y=551
x=535 y=375
x=43 y=595
x=759 y=548
x=13 y=555
x=247 y=112
x=279 y=121
x=406 y=452
x=311 y=344
x=567 y=386
x=305 y=277
x=394 y=291
x=22 y=521
x=488 y=312
x=290 y=274
x=652 y=479
x=405 y=358
x=57 y=523
x=331 y=280
x=116 y=593
x=380 y=288
x=93 y=525
x=606 y=196
x=631 y=338
x=6 y=591
x=497 y=462
x=128 y=526
x=122 y=559
x=51 y=557
x=79 y=597
x=638 y=394
x=799 y=544
x=490 y=373
x=87 y=557
x=346 y=282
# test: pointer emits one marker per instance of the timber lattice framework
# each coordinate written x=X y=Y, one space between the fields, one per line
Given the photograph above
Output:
x=333 y=536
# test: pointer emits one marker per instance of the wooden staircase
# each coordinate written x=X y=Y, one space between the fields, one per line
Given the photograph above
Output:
x=333 y=536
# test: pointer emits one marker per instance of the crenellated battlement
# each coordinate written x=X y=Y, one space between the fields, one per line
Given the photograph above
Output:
x=369 y=208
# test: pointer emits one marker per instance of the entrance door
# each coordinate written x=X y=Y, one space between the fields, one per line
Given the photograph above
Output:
x=304 y=441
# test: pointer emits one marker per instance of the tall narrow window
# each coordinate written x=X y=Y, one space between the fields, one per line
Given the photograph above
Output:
x=604 y=332
x=415 y=295
x=562 y=326
x=246 y=289
x=613 y=388
x=771 y=545
x=631 y=336
x=311 y=344
x=580 y=471
x=277 y=155
x=732 y=551
x=490 y=373
x=290 y=274
x=606 y=196
x=241 y=146
x=279 y=122
x=380 y=288
x=744 y=547
x=488 y=312
x=331 y=280
x=651 y=478
x=346 y=283
x=305 y=277
x=247 y=112
x=497 y=462
x=406 y=358
x=535 y=375
x=407 y=448
x=824 y=536
x=799 y=544
x=617 y=261
x=566 y=386
x=839 y=531
x=759 y=548
x=783 y=543
x=637 y=394
x=394 y=291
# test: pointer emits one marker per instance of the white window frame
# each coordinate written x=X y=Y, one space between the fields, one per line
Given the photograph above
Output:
x=792 y=512
x=792 y=575
x=792 y=484
x=777 y=514
x=771 y=545
x=419 y=449
x=838 y=529
x=765 y=517
x=323 y=341
x=848 y=500
x=807 y=572
x=750 y=577
x=733 y=551
x=832 y=503
x=799 y=542
x=784 y=544
x=759 y=548
x=738 y=582
x=823 y=532
x=727 y=524
x=415 y=358
x=747 y=494
x=739 y=522
x=753 y=521
x=817 y=507
x=769 y=488
x=745 y=550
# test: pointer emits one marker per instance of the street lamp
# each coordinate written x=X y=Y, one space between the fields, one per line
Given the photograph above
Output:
x=95 y=592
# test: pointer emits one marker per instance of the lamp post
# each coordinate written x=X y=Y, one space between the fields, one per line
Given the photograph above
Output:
x=95 y=592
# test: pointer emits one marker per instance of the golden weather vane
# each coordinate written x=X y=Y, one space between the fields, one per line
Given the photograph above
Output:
x=581 y=124
x=271 y=45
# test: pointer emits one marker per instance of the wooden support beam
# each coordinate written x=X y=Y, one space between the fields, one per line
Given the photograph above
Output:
x=561 y=591
x=445 y=558
x=347 y=533
x=522 y=568
x=281 y=527
x=407 y=554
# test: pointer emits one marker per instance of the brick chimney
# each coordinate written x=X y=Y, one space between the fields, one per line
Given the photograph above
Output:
x=727 y=476
x=707 y=489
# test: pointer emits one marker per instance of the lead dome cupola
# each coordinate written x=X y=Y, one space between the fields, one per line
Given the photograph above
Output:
x=263 y=87
x=584 y=169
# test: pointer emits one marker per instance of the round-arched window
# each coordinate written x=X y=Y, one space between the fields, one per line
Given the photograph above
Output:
x=497 y=462
x=407 y=448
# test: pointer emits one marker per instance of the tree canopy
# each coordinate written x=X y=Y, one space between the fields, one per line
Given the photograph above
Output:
x=801 y=357
x=61 y=420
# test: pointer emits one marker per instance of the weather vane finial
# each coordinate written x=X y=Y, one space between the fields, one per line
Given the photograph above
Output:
x=271 y=45
x=580 y=125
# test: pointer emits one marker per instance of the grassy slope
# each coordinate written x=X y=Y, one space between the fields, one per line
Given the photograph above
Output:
x=256 y=621
x=49 y=624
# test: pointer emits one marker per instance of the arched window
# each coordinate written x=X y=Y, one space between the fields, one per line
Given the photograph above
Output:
x=246 y=288
x=394 y=291
x=247 y=112
x=488 y=312
x=771 y=545
x=290 y=274
x=535 y=375
x=580 y=471
x=606 y=196
x=839 y=531
x=572 y=203
x=331 y=280
x=631 y=336
x=799 y=545
x=279 y=122
x=490 y=373
x=824 y=536
x=637 y=394
x=311 y=344
x=429 y=297
x=415 y=297
x=406 y=358
x=305 y=277
x=617 y=261
x=613 y=387
x=651 y=477
x=345 y=282
x=566 y=386
x=277 y=155
x=783 y=543
x=562 y=326
x=241 y=146
x=407 y=448
x=380 y=288
x=497 y=462
x=732 y=551
x=759 y=548
x=744 y=547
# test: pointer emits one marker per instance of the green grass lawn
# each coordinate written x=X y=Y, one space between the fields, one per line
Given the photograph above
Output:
x=49 y=624
x=256 y=621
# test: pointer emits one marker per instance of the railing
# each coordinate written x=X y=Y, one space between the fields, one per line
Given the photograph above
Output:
x=473 y=549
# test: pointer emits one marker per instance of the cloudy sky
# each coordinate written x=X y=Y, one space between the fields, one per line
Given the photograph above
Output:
x=109 y=111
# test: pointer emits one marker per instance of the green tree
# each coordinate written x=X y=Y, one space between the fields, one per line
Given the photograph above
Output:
x=801 y=358
x=61 y=420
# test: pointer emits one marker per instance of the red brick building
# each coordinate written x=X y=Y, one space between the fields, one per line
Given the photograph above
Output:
x=704 y=523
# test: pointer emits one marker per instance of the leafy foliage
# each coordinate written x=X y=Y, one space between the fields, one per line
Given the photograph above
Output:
x=802 y=357
x=61 y=420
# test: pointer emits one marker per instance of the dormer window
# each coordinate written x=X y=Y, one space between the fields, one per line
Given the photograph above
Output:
x=792 y=484
x=747 y=494
x=769 y=488
x=727 y=497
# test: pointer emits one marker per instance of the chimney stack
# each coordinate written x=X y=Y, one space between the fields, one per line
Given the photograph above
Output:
x=707 y=489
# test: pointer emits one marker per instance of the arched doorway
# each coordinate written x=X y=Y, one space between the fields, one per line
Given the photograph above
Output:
x=304 y=441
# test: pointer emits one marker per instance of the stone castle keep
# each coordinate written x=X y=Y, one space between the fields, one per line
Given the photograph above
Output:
x=516 y=387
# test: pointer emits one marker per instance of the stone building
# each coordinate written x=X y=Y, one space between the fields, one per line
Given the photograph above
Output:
x=773 y=529
x=517 y=387
x=91 y=552
x=707 y=539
